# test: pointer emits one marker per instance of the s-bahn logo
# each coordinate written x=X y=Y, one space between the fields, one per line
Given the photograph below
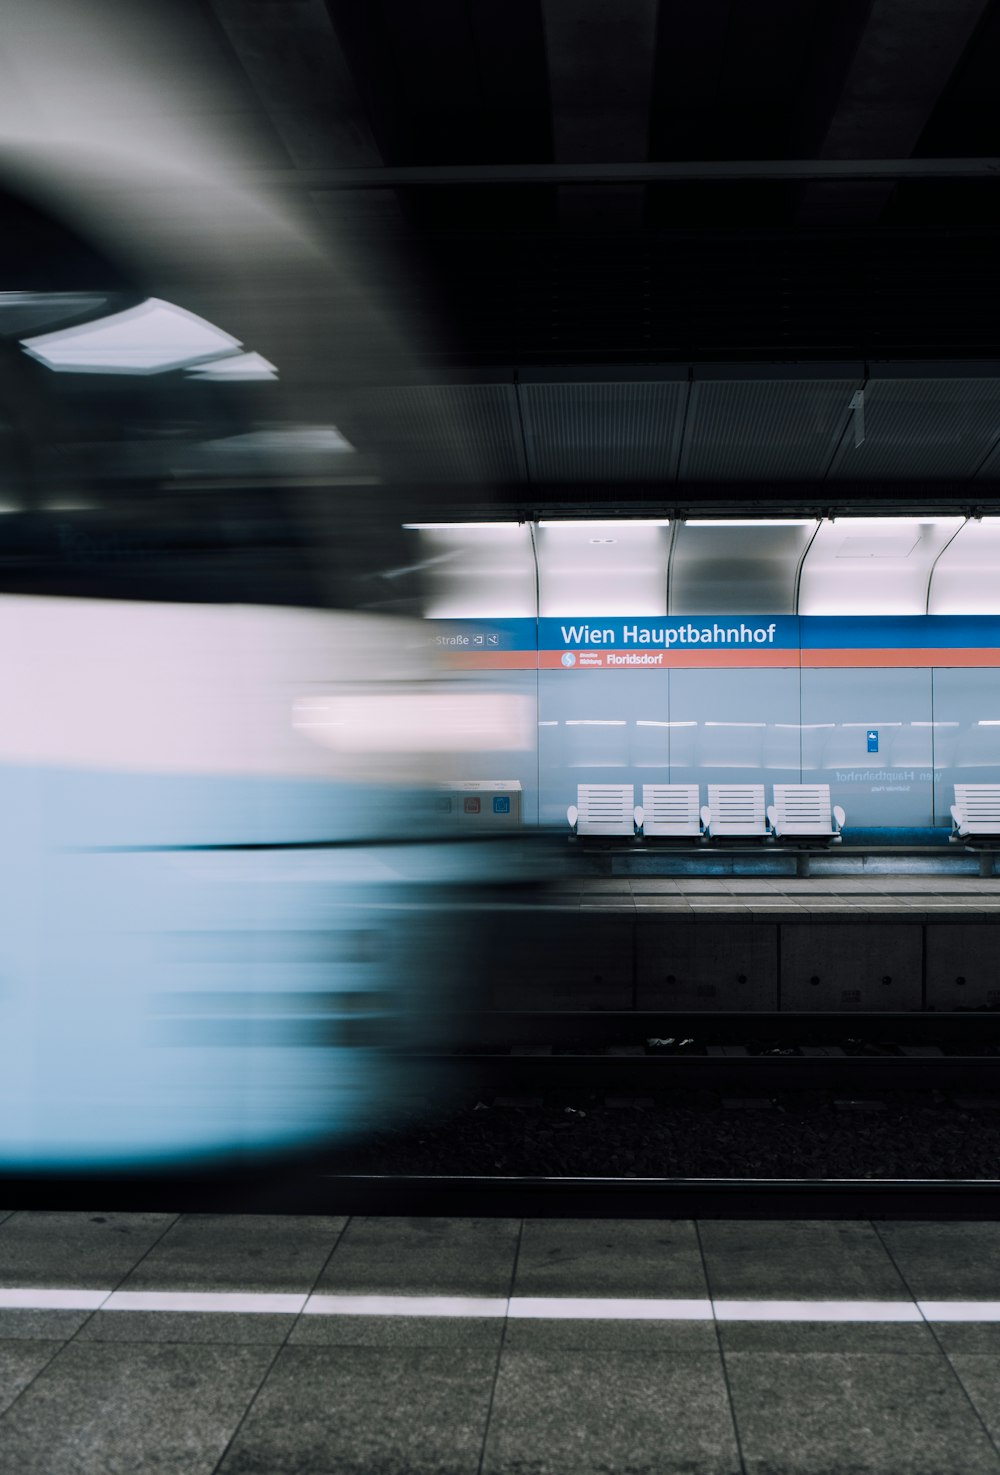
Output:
x=568 y=659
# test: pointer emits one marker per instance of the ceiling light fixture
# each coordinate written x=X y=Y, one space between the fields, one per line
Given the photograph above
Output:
x=237 y=367
x=750 y=522
x=148 y=339
x=619 y=523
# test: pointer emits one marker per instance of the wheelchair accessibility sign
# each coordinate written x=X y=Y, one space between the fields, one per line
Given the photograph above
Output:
x=873 y=739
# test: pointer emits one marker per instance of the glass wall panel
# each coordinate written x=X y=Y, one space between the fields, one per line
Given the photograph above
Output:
x=731 y=726
x=890 y=786
x=966 y=733
x=599 y=727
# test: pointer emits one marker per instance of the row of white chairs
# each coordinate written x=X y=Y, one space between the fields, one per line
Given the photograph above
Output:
x=736 y=811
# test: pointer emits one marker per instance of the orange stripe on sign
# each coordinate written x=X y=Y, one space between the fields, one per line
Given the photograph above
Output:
x=492 y=660
x=933 y=656
x=659 y=659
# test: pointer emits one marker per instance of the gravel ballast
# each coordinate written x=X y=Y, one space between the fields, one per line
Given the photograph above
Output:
x=915 y=1136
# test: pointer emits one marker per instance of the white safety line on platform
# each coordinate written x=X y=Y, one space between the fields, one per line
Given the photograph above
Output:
x=816 y=1311
x=212 y=1301
x=538 y=1308
x=34 y=1298
x=600 y=1308
x=325 y=1305
x=960 y=1310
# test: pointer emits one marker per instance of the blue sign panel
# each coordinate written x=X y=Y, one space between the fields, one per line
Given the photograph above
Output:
x=873 y=739
x=501 y=804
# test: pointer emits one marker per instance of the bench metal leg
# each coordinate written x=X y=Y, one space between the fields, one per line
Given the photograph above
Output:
x=802 y=863
x=986 y=867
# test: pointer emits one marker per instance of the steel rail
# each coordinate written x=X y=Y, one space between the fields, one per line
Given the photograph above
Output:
x=665 y=171
x=572 y=1196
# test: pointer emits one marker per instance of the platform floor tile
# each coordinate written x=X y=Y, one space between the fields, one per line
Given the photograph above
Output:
x=394 y=1412
x=814 y=1260
x=855 y=1413
x=97 y=1409
x=399 y=1332
x=591 y=1413
x=946 y=1262
x=239 y=1252
x=615 y=1260
x=20 y=1364
x=47 y=1248
x=423 y=1257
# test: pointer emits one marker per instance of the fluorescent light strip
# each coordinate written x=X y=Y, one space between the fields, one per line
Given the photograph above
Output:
x=619 y=522
x=519 y=1308
x=148 y=339
x=439 y=527
x=240 y=366
x=751 y=522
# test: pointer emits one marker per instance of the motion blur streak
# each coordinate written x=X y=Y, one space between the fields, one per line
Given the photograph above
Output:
x=165 y=995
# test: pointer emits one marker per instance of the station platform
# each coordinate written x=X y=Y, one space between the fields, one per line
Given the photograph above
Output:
x=235 y=1344
x=912 y=897
x=884 y=943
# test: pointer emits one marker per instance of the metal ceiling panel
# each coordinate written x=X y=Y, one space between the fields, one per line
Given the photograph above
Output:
x=457 y=432
x=626 y=431
x=990 y=469
x=764 y=430
x=736 y=570
x=922 y=427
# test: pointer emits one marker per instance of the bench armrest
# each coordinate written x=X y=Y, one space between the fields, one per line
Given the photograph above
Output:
x=572 y=815
x=840 y=817
x=772 y=817
x=958 y=820
x=706 y=818
x=639 y=814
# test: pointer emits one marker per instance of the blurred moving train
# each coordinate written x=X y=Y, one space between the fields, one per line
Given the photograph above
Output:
x=224 y=878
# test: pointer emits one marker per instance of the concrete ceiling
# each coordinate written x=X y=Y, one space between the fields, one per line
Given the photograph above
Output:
x=642 y=191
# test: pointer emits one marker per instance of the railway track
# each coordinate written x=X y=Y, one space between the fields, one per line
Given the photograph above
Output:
x=534 y=1054
x=313 y=1192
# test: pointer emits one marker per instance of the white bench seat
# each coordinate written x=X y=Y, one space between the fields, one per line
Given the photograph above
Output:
x=804 y=812
x=976 y=812
x=735 y=811
x=670 y=810
x=603 y=809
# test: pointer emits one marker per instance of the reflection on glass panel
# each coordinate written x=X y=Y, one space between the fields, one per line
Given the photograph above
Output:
x=650 y=743
x=731 y=745
x=864 y=776
x=969 y=700
x=740 y=721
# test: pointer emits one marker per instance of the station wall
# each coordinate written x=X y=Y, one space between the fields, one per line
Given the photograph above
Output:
x=795 y=708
